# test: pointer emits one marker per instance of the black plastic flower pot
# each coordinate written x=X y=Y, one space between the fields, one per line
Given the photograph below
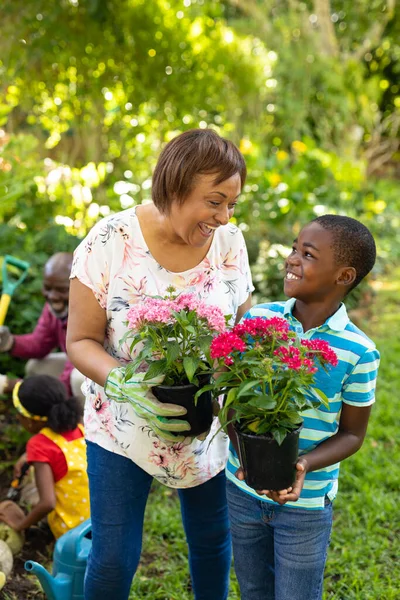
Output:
x=266 y=465
x=199 y=414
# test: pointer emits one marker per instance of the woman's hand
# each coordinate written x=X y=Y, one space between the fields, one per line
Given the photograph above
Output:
x=160 y=416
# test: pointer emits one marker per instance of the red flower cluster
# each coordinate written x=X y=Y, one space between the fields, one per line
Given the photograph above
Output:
x=225 y=343
x=292 y=358
x=327 y=355
x=263 y=327
x=261 y=333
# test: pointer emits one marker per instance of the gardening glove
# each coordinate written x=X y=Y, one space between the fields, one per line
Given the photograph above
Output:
x=138 y=393
x=6 y=339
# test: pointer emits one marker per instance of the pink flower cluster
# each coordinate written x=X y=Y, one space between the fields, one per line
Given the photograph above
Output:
x=159 y=310
x=321 y=348
x=155 y=310
x=291 y=357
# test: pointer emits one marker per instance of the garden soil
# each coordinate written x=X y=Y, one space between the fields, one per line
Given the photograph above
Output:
x=39 y=541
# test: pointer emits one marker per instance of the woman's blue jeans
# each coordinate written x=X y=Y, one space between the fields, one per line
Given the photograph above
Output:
x=118 y=496
x=279 y=552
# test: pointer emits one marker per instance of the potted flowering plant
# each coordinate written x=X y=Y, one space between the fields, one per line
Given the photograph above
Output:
x=175 y=333
x=267 y=379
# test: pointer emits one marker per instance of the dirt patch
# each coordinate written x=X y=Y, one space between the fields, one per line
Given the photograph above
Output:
x=39 y=541
x=39 y=545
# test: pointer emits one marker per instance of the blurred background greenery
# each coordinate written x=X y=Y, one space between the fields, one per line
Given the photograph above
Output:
x=90 y=90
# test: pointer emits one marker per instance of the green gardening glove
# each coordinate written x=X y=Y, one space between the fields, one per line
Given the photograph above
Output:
x=138 y=393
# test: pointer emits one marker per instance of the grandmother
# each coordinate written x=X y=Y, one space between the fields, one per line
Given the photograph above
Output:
x=182 y=239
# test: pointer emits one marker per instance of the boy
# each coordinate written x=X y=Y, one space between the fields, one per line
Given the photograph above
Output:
x=280 y=539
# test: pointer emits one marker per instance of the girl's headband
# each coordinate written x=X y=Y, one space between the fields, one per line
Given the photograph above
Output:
x=21 y=409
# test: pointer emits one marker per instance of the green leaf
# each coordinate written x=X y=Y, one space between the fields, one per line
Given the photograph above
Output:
x=206 y=388
x=204 y=342
x=131 y=369
x=279 y=434
x=246 y=386
x=231 y=397
x=173 y=351
x=262 y=401
x=156 y=368
x=190 y=365
x=319 y=394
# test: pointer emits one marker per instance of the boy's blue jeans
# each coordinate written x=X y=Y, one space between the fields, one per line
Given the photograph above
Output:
x=279 y=552
x=118 y=496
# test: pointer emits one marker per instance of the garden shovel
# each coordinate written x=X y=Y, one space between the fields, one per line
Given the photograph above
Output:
x=10 y=284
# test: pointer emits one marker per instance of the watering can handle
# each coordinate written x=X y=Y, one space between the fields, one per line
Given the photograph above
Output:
x=72 y=542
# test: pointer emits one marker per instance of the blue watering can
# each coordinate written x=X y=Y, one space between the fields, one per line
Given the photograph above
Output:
x=69 y=565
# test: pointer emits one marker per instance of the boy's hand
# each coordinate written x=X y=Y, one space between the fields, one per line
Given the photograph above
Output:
x=291 y=494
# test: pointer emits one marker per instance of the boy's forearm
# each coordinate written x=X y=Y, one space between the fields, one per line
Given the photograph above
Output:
x=349 y=438
x=334 y=450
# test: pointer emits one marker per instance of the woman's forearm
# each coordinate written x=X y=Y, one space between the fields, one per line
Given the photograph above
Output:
x=90 y=358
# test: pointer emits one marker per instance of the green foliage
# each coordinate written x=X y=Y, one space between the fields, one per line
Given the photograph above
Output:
x=92 y=90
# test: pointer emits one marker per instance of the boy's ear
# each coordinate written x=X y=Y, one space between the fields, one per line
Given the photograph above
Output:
x=346 y=276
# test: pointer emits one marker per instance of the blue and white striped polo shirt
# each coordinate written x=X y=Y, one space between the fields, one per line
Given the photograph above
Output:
x=353 y=382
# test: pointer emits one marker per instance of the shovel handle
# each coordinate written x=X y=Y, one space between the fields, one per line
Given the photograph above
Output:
x=9 y=286
x=4 y=304
x=17 y=262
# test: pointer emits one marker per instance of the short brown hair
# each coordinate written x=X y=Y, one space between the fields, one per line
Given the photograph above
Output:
x=194 y=152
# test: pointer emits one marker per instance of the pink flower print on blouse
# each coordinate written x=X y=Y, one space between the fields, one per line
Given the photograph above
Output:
x=177 y=450
x=229 y=261
x=101 y=293
x=132 y=255
x=160 y=455
x=186 y=467
x=102 y=410
x=136 y=290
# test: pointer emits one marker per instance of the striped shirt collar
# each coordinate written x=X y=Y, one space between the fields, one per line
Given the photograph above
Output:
x=337 y=321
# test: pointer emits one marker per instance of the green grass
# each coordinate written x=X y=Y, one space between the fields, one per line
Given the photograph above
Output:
x=363 y=557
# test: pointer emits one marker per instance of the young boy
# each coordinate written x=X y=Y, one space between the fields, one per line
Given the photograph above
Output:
x=280 y=539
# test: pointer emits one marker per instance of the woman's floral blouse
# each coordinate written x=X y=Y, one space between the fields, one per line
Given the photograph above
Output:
x=115 y=263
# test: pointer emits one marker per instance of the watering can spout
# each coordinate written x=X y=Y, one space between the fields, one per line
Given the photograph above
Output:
x=55 y=588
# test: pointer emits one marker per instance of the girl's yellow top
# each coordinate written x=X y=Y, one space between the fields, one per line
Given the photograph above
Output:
x=72 y=491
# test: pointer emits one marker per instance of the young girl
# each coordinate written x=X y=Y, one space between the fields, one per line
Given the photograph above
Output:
x=57 y=452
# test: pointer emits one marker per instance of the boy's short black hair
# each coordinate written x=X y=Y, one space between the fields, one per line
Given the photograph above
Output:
x=353 y=243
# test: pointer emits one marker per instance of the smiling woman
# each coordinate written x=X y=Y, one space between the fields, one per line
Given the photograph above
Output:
x=183 y=239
